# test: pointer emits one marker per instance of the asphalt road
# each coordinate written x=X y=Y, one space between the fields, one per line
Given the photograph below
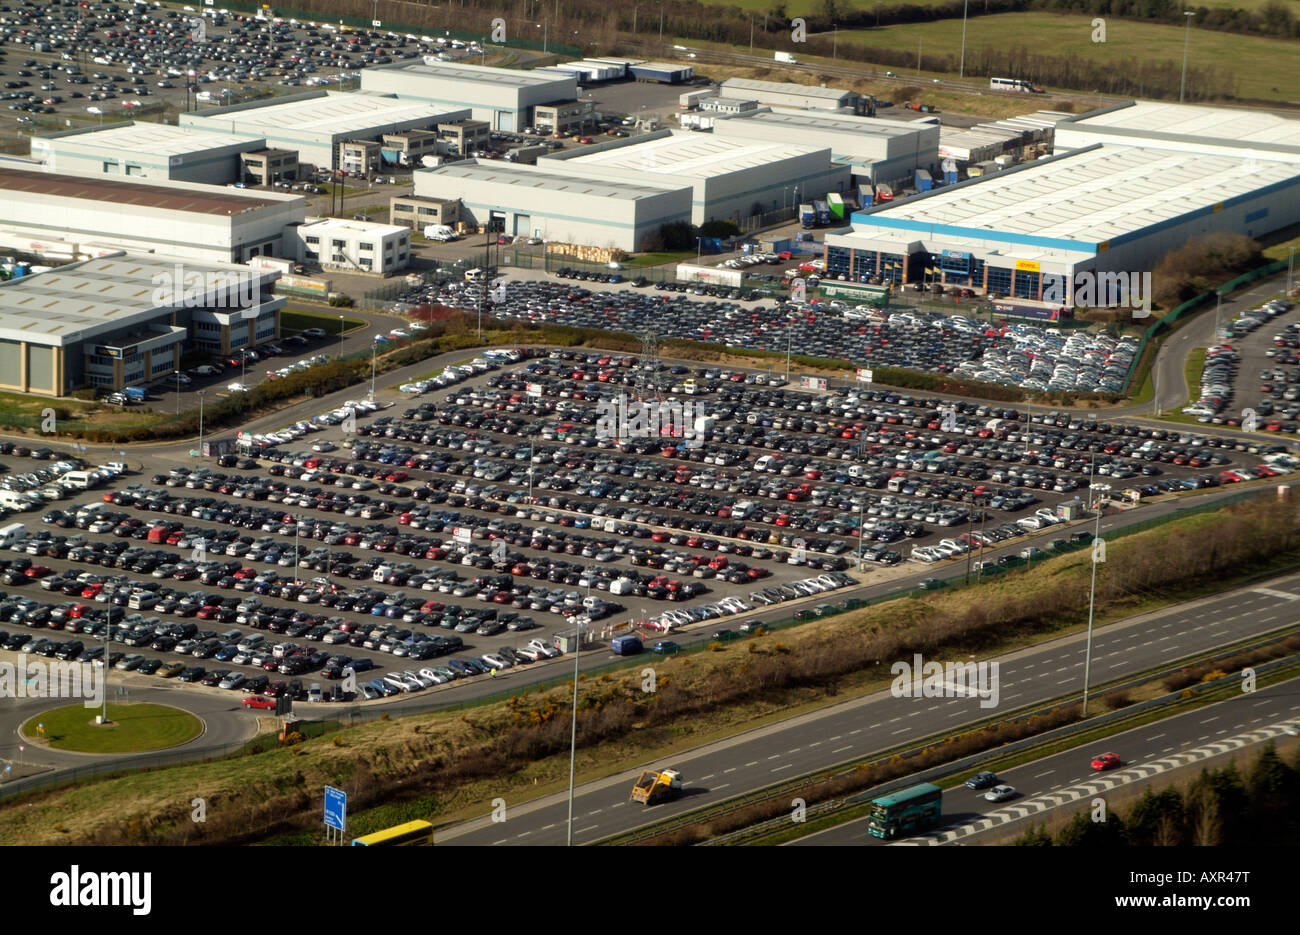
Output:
x=855 y=729
x=1175 y=736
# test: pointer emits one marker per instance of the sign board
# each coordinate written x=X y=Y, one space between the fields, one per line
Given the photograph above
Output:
x=809 y=382
x=1027 y=266
x=336 y=808
x=462 y=533
x=376 y=23
x=534 y=389
x=864 y=375
x=103 y=350
x=956 y=255
x=304 y=285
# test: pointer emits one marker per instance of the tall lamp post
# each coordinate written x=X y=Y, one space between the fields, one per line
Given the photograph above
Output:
x=200 y=423
x=340 y=337
x=1098 y=490
x=961 y=72
x=1187 y=35
x=573 y=730
x=374 y=349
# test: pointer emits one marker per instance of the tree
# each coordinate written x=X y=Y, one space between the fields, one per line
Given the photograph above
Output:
x=1158 y=819
x=1082 y=831
x=1036 y=836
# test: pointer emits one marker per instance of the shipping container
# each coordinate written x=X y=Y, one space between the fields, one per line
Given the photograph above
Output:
x=807 y=216
x=836 y=204
x=924 y=182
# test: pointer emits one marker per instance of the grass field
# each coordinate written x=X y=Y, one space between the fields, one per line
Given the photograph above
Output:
x=1126 y=41
x=134 y=728
x=300 y=319
x=813 y=7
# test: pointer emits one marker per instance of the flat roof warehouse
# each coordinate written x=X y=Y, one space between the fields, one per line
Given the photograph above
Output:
x=473 y=74
x=139 y=194
x=1080 y=199
x=687 y=155
x=156 y=138
x=76 y=301
x=532 y=177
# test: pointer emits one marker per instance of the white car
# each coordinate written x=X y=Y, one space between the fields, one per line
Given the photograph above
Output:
x=1000 y=793
x=324 y=446
x=237 y=388
x=550 y=652
x=496 y=661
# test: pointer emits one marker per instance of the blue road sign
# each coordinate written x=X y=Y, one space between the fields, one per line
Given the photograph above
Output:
x=336 y=808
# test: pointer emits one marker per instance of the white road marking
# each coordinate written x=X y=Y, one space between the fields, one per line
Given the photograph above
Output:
x=842 y=749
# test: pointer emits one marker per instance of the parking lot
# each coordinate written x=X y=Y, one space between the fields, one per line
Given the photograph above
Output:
x=470 y=526
x=1027 y=356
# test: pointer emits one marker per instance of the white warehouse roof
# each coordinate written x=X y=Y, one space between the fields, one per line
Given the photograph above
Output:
x=690 y=156
x=550 y=179
x=855 y=126
x=81 y=299
x=158 y=139
x=1243 y=127
x=470 y=74
x=1089 y=196
x=334 y=112
x=783 y=87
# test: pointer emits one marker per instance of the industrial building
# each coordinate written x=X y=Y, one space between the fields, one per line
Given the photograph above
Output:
x=123 y=319
x=69 y=216
x=661 y=72
x=730 y=179
x=504 y=97
x=1028 y=231
x=795 y=96
x=557 y=202
x=1184 y=127
x=352 y=246
x=407 y=149
x=146 y=151
x=462 y=137
x=876 y=150
x=268 y=166
x=315 y=123
x=564 y=118
x=418 y=211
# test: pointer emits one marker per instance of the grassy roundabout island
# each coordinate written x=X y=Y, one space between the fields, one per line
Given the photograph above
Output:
x=133 y=728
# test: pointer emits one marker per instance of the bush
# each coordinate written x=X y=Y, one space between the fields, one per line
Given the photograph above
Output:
x=338 y=300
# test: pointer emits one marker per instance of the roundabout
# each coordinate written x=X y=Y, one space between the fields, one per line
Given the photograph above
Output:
x=133 y=727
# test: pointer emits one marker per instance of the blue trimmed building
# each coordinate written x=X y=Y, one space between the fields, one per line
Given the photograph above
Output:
x=1027 y=233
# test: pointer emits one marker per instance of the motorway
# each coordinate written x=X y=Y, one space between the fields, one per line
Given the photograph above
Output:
x=1195 y=737
x=867 y=725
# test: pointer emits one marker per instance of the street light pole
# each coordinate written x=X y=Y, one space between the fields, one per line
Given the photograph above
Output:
x=340 y=337
x=573 y=730
x=200 y=423
x=961 y=72
x=1092 y=595
x=178 y=392
x=1187 y=35
x=374 y=349
x=296 y=521
x=789 y=336
x=108 y=640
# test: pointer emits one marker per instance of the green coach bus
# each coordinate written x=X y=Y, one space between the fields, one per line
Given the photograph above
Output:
x=905 y=812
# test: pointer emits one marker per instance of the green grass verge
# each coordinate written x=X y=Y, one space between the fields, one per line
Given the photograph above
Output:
x=298 y=319
x=659 y=259
x=135 y=728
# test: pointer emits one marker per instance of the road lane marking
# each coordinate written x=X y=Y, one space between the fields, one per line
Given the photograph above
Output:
x=777 y=769
x=842 y=749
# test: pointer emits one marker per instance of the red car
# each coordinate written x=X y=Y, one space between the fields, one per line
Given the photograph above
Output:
x=1105 y=761
x=259 y=701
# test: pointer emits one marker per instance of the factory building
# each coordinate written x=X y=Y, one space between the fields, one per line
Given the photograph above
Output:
x=146 y=151
x=64 y=217
x=730 y=179
x=1027 y=232
x=126 y=320
x=503 y=97
x=315 y=123
x=556 y=202
x=795 y=96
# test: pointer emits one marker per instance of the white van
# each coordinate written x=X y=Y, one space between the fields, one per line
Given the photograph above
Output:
x=12 y=533
x=80 y=480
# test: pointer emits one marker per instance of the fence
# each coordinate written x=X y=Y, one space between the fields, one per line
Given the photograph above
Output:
x=1169 y=319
